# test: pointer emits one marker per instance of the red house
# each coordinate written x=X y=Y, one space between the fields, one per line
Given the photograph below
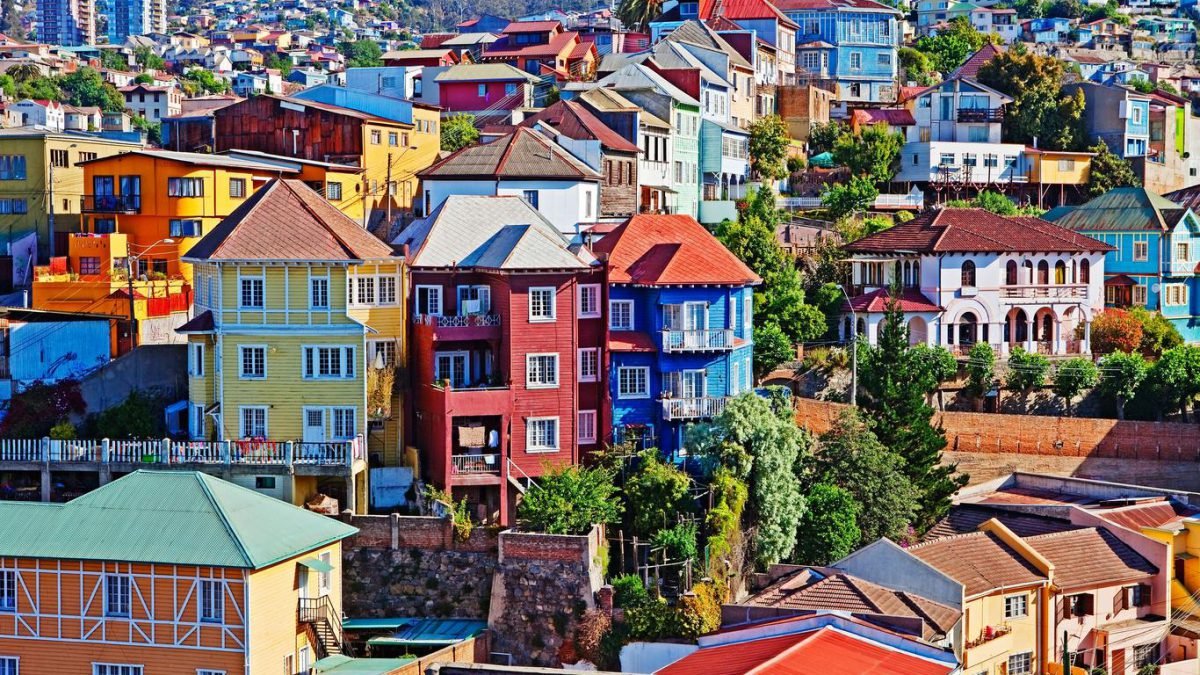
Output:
x=484 y=88
x=542 y=48
x=421 y=57
x=506 y=349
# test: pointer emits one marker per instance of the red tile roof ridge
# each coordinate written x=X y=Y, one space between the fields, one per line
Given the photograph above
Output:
x=939 y=540
x=1064 y=533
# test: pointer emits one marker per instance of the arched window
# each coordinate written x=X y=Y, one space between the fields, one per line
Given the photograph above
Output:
x=968 y=274
x=1043 y=275
x=916 y=274
x=846 y=328
x=966 y=329
x=1085 y=272
x=907 y=274
x=1010 y=273
x=1060 y=272
x=1028 y=267
x=862 y=327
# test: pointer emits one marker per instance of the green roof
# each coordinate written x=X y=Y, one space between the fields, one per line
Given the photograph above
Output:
x=339 y=664
x=1122 y=209
x=169 y=517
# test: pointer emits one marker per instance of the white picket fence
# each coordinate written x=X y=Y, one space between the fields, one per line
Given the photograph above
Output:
x=166 y=451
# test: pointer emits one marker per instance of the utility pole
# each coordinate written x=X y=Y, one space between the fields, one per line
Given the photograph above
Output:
x=1066 y=655
x=50 y=200
x=388 y=190
x=853 y=348
x=129 y=259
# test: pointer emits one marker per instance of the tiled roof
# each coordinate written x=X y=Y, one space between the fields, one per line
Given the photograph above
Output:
x=971 y=230
x=911 y=300
x=964 y=518
x=287 y=220
x=970 y=68
x=168 y=517
x=980 y=561
x=488 y=232
x=525 y=153
x=532 y=26
x=825 y=651
x=504 y=48
x=1091 y=557
x=655 y=250
x=896 y=117
x=575 y=121
x=1122 y=209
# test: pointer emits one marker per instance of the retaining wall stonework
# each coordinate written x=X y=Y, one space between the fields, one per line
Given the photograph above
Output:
x=1159 y=454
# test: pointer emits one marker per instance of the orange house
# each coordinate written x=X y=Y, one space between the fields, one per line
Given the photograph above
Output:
x=168 y=572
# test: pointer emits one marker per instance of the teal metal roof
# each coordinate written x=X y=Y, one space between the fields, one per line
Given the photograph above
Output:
x=169 y=517
x=1123 y=209
x=416 y=632
x=339 y=664
x=376 y=624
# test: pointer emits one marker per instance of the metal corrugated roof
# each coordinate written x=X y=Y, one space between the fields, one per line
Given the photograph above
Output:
x=1122 y=209
x=167 y=517
x=340 y=664
x=483 y=72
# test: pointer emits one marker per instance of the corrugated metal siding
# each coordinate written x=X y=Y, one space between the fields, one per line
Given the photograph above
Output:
x=57 y=349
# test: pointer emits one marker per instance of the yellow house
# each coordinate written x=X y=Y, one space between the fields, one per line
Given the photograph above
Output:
x=41 y=184
x=299 y=318
x=392 y=158
x=1051 y=170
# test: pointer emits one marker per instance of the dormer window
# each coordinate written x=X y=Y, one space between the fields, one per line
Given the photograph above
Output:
x=688 y=8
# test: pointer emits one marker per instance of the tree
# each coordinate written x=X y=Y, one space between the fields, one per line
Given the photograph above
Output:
x=1109 y=171
x=281 y=63
x=996 y=203
x=86 y=87
x=981 y=370
x=782 y=302
x=853 y=458
x=114 y=59
x=146 y=58
x=134 y=418
x=205 y=81
x=772 y=348
x=769 y=143
x=1065 y=9
x=1072 y=377
x=1124 y=373
x=153 y=130
x=822 y=137
x=1026 y=372
x=656 y=494
x=874 y=153
x=917 y=66
x=24 y=72
x=757 y=439
x=1175 y=377
x=849 y=198
x=458 y=132
x=1040 y=109
x=569 y=500
x=945 y=52
x=1158 y=333
x=1115 y=330
x=34 y=410
x=637 y=14
x=361 y=53
x=829 y=529
x=896 y=384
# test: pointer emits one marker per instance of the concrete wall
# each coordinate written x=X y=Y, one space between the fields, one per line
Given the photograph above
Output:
x=158 y=369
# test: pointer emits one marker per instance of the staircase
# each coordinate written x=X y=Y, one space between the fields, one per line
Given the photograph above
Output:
x=324 y=626
x=515 y=474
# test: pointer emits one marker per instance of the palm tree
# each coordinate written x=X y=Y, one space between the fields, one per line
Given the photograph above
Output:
x=637 y=14
x=24 y=72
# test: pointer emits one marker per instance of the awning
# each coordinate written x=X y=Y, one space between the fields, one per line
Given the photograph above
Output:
x=1120 y=280
x=410 y=642
x=317 y=565
x=375 y=624
x=661 y=188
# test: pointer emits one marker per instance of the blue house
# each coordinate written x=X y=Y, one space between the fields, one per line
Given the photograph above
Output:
x=1116 y=115
x=853 y=42
x=680 y=319
x=1157 y=248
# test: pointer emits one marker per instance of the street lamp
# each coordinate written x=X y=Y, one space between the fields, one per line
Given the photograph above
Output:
x=130 y=259
x=853 y=347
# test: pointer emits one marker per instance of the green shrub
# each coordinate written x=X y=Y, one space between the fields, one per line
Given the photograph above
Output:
x=628 y=590
x=63 y=431
x=699 y=612
x=679 y=542
x=570 y=500
x=904 y=216
x=650 y=619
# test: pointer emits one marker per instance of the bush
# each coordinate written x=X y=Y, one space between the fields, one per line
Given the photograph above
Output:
x=137 y=417
x=699 y=612
x=650 y=620
x=904 y=216
x=1115 y=330
x=679 y=542
x=460 y=514
x=1158 y=334
x=628 y=590
x=590 y=633
x=655 y=494
x=570 y=500
x=63 y=431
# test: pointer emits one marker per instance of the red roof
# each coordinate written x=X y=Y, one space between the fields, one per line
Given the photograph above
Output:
x=575 y=121
x=434 y=40
x=826 y=651
x=532 y=27
x=744 y=9
x=1120 y=280
x=970 y=69
x=506 y=48
x=894 y=117
x=911 y=300
x=659 y=250
x=976 y=230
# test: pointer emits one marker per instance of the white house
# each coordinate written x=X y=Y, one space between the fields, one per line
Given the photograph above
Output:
x=525 y=163
x=44 y=113
x=968 y=275
x=152 y=103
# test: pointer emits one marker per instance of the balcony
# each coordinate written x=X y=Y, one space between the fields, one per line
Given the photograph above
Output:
x=468 y=401
x=475 y=465
x=460 y=327
x=692 y=408
x=1177 y=268
x=719 y=340
x=247 y=452
x=1051 y=292
x=980 y=115
x=112 y=204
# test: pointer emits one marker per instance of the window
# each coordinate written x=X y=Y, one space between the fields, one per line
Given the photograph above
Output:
x=237 y=187
x=8 y=665
x=531 y=196
x=1079 y=605
x=393 y=139
x=12 y=167
x=481 y=91
x=1140 y=296
x=1145 y=655
x=970 y=159
x=252 y=292
x=429 y=300
x=14 y=205
x=1139 y=596
x=589 y=301
x=541 y=304
x=104 y=225
x=212 y=600
x=329 y=362
x=1016 y=606
x=185 y=187
x=855 y=61
x=1020 y=664
x=1141 y=250
x=633 y=382
x=115 y=669
x=116 y=595
x=362 y=290
x=203 y=671
x=968 y=274
x=196 y=359
x=1175 y=294
x=318 y=292
x=387 y=290
x=1181 y=252
x=947 y=159
x=333 y=192
x=1137 y=115
x=253 y=362
x=59 y=159
x=325 y=579
x=254 y=422
x=1066 y=165
x=343 y=423
x=589 y=364
x=89 y=265
x=885 y=60
x=8 y=591
x=541 y=371
x=541 y=434
x=376 y=137
x=185 y=228
x=587 y=426
x=734 y=377
x=510 y=89
x=991 y=161
x=620 y=314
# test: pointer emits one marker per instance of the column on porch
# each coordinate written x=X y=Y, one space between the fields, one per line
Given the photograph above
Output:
x=1085 y=346
x=1029 y=336
x=1060 y=340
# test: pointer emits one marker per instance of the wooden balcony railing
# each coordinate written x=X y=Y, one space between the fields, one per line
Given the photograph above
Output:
x=476 y=464
x=978 y=115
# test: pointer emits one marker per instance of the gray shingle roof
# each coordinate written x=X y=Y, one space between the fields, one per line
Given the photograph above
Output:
x=525 y=153
x=480 y=72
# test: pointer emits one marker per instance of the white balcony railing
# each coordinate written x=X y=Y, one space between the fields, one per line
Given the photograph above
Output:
x=254 y=452
x=720 y=339
x=476 y=464
x=1045 y=292
x=693 y=408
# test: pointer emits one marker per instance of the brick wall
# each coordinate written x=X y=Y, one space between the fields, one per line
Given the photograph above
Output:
x=1161 y=454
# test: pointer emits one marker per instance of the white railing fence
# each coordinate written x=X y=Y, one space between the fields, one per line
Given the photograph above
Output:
x=166 y=451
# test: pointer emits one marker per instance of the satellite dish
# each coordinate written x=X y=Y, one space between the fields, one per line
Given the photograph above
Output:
x=1154 y=287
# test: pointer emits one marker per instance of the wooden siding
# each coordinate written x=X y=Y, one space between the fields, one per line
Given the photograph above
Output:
x=274 y=596
x=619 y=189
x=261 y=123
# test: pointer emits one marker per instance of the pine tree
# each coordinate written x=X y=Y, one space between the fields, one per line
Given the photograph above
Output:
x=895 y=387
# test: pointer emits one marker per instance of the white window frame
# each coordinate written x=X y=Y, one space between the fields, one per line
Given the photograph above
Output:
x=612 y=314
x=310 y=362
x=480 y=292
x=1140 y=295
x=8 y=590
x=735 y=378
x=10 y=665
x=196 y=359
x=325 y=579
x=117 y=669
x=313 y=281
x=211 y=601
x=586 y=290
x=1020 y=603
x=110 y=578
x=196 y=421
x=1182 y=251
x=242 y=362
x=379 y=286
x=530 y=424
x=262 y=280
x=373 y=350
x=1144 y=253
x=586 y=426
x=436 y=293
x=589 y=356
x=553 y=310
x=336 y=420
x=529 y=370
x=645 y=370
x=1026 y=656
x=748 y=313
x=242 y=420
